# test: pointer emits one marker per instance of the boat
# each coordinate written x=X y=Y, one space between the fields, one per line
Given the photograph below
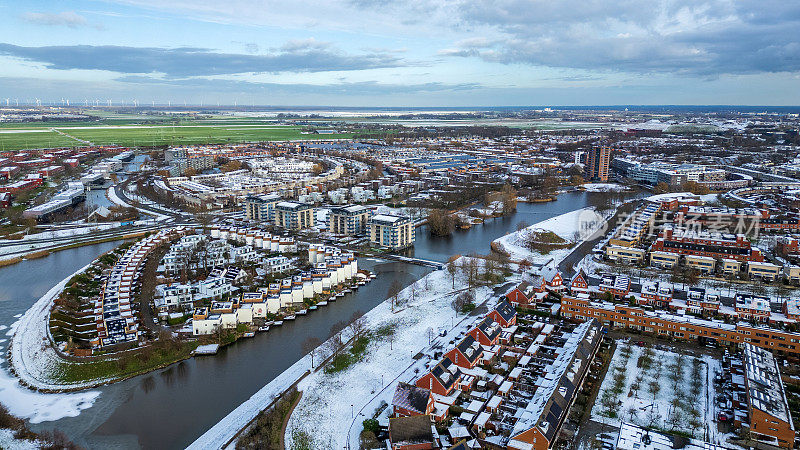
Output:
x=249 y=334
x=323 y=303
x=340 y=294
x=332 y=299
x=292 y=317
x=277 y=323
x=313 y=308
x=347 y=291
x=302 y=313
x=264 y=328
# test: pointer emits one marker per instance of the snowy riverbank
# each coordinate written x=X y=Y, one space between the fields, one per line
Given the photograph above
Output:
x=33 y=360
x=573 y=227
x=334 y=405
x=325 y=407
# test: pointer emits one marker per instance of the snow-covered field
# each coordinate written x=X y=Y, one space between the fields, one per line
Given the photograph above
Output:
x=329 y=401
x=573 y=226
x=670 y=392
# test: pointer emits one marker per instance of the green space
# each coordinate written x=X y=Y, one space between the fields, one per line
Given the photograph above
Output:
x=44 y=139
x=161 y=135
x=126 y=364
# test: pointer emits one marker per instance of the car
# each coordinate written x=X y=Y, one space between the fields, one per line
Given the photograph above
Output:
x=155 y=321
x=722 y=417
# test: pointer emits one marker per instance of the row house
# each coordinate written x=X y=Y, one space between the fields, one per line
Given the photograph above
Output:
x=679 y=326
x=617 y=285
x=752 y=307
x=685 y=241
x=487 y=332
x=655 y=293
x=409 y=400
x=699 y=301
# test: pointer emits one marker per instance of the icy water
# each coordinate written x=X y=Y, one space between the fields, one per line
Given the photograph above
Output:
x=170 y=408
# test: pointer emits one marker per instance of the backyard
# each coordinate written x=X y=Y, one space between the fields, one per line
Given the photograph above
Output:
x=659 y=389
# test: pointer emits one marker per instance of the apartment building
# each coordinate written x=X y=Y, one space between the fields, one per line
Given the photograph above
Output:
x=597 y=164
x=261 y=208
x=294 y=215
x=391 y=231
x=768 y=407
x=685 y=241
x=677 y=326
x=349 y=220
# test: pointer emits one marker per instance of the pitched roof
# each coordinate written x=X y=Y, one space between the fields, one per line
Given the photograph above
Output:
x=549 y=273
x=470 y=348
x=410 y=430
x=506 y=311
x=411 y=398
x=489 y=328
x=446 y=372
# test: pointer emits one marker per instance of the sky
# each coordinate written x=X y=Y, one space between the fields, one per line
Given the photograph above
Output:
x=403 y=53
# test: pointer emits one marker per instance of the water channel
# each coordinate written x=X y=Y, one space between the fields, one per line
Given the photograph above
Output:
x=170 y=408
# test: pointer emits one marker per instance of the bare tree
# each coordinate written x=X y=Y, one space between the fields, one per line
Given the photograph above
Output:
x=452 y=270
x=358 y=324
x=310 y=346
x=413 y=290
x=394 y=292
x=462 y=301
x=336 y=336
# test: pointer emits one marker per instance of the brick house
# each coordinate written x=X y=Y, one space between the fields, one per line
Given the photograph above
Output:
x=410 y=400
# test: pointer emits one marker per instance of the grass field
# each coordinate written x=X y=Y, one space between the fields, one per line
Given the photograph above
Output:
x=46 y=139
x=158 y=135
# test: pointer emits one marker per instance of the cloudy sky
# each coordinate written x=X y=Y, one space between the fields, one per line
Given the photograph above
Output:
x=404 y=52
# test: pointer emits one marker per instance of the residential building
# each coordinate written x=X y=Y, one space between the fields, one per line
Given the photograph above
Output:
x=768 y=407
x=597 y=164
x=261 y=208
x=410 y=400
x=391 y=231
x=294 y=215
x=349 y=220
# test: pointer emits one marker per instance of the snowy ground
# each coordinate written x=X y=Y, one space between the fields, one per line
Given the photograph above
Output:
x=7 y=441
x=32 y=356
x=325 y=408
x=648 y=396
x=604 y=187
x=334 y=405
x=573 y=226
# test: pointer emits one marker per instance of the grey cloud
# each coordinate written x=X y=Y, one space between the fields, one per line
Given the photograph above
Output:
x=707 y=38
x=190 y=61
x=342 y=88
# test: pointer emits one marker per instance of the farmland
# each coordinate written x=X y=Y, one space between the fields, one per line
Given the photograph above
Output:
x=153 y=135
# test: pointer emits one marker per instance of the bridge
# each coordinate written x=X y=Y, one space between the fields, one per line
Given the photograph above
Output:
x=406 y=259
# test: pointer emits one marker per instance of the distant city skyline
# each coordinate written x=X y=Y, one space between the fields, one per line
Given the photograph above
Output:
x=403 y=54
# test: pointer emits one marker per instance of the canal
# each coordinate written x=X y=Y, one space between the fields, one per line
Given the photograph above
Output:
x=170 y=408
